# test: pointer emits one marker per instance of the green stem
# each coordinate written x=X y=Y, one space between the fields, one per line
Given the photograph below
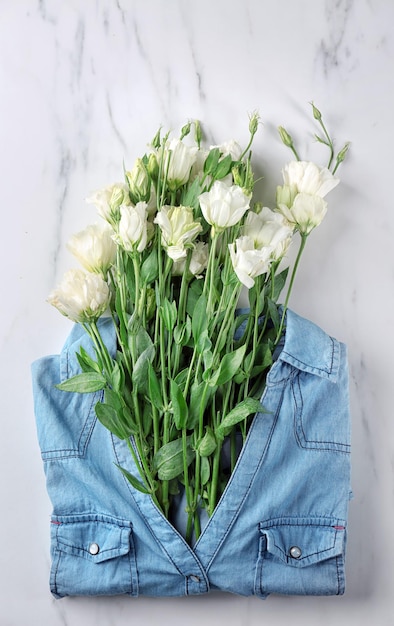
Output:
x=188 y=494
x=228 y=318
x=214 y=480
x=210 y=274
x=143 y=470
x=304 y=237
x=329 y=142
x=294 y=151
x=101 y=348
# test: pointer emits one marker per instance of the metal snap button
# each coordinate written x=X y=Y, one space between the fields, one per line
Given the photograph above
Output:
x=94 y=548
x=295 y=552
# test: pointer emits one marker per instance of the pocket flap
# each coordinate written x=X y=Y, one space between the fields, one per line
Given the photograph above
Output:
x=96 y=538
x=299 y=542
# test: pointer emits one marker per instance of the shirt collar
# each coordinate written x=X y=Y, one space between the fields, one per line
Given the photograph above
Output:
x=309 y=348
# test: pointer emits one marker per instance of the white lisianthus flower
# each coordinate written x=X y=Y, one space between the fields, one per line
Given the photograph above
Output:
x=94 y=248
x=198 y=261
x=178 y=159
x=223 y=206
x=178 y=229
x=81 y=296
x=300 y=200
x=268 y=228
x=108 y=201
x=132 y=230
x=249 y=262
x=307 y=177
x=198 y=165
x=306 y=212
x=230 y=147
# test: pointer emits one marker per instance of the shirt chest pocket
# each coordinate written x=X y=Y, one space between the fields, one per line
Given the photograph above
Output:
x=322 y=414
x=92 y=555
x=65 y=420
x=301 y=556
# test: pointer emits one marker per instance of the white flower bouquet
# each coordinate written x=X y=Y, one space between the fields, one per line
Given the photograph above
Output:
x=178 y=241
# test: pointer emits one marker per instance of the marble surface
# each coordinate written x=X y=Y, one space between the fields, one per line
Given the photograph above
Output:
x=84 y=86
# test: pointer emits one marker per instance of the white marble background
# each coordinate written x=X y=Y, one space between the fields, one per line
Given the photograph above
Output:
x=85 y=85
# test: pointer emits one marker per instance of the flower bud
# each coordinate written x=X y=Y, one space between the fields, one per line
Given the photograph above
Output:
x=118 y=197
x=132 y=232
x=316 y=112
x=285 y=137
x=150 y=303
x=156 y=141
x=153 y=166
x=178 y=159
x=139 y=182
x=342 y=154
x=254 y=123
x=197 y=132
x=238 y=172
x=185 y=130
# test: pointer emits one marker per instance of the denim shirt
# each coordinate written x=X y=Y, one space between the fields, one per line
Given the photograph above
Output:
x=280 y=526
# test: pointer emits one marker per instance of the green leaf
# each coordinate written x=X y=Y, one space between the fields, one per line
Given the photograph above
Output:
x=179 y=406
x=86 y=362
x=129 y=275
x=228 y=367
x=168 y=312
x=261 y=301
x=169 y=462
x=207 y=445
x=154 y=388
x=181 y=377
x=182 y=332
x=279 y=283
x=211 y=161
x=108 y=417
x=205 y=471
x=137 y=484
x=193 y=294
x=198 y=402
x=223 y=168
x=190 y=195
x=142 y=341
x=87 y=382
x=237 y=414
x=139 y=375
x=150 y=268
x=203 y=343
x=120 y=417
x=208 y=359
x=274 y=314
x=117 y=377
x=264 y=355
x=147 y=418
x=199 y=318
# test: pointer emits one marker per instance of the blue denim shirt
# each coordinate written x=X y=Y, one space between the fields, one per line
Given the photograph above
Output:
x=280 y=526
